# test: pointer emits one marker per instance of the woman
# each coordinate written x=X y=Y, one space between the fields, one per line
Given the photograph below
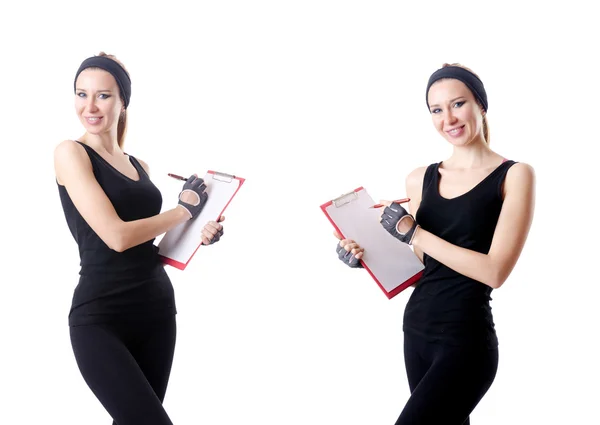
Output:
x=472 y=214
x=122 y=319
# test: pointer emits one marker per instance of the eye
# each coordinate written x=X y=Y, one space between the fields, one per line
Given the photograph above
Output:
x=103 y=96
x=81 y=94
x=435 y=111
x=459 y=104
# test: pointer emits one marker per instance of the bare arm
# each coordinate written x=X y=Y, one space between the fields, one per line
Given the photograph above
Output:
x=74 y=171
x=509 y=238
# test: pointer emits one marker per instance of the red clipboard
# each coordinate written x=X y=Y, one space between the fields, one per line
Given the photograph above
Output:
x=179 y=245
x=392 y=264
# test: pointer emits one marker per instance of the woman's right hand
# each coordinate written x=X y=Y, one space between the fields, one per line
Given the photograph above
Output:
x=349 y=252
x=193 y=196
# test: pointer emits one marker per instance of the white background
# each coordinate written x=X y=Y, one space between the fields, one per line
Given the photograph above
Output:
x=306 y=100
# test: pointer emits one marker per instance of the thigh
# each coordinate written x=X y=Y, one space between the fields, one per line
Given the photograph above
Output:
x=154 y=353
x=115 y=378
x=415 y=360
x=451 y=388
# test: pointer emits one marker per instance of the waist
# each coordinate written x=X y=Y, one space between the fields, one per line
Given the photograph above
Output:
x=136 y=262
x=98 y=299
x=453 y=312
x=460 y=301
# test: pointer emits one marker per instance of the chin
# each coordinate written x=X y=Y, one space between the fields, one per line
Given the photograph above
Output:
x=463 y=140
x=92 y=129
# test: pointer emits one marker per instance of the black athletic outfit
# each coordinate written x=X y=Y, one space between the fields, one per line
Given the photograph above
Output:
x=122 y=317
x=450 y=342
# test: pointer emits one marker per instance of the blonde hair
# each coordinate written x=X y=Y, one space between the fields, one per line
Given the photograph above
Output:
x=122 y=124
x=486 y=125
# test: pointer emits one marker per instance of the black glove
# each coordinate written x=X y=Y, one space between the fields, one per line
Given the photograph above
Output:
x=391 y=217
x=347 y=257
x=196 y=185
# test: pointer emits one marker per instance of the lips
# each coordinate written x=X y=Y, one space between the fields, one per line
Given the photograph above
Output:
x=455 y=132
x=93 y=120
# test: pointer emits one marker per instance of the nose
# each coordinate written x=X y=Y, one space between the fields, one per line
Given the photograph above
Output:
x=91 y=104
x=449 y=116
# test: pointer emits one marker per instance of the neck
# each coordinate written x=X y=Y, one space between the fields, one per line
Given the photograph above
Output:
x=476 y=154
x=106 y=142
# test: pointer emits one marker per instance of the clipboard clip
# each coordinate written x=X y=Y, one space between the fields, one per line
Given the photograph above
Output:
x=345 y=199
x=223 y=177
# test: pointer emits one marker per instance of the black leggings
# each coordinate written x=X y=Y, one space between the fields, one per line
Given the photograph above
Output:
x=127 y=367
x=446 y=382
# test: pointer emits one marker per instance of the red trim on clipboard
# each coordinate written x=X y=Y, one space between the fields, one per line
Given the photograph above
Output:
x=391 y=294
x=181 y=266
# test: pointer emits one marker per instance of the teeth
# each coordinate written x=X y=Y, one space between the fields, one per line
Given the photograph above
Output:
x=93 y=119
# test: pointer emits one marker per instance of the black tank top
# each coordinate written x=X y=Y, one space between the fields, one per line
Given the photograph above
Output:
x=118 y=285
x=447 y=306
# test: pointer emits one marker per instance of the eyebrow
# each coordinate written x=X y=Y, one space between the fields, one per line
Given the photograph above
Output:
x=109 y=91
x=456 y=98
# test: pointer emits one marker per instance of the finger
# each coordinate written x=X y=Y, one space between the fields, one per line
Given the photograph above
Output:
x=209 y=233
x=345 y=242
x=388 y=212
x=337 y=235
x=386 y=203
x=384 y=216
x=213 y=225
x=357 y=249
x=205 y=240
x=351 y=246
x=359 y=255
x=220 y=219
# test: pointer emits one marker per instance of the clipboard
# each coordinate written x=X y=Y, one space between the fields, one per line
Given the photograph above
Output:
x=178 y=245
x=391 y=263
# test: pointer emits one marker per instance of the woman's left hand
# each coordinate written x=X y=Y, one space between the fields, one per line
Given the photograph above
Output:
x=212 y=231
x=398 y=222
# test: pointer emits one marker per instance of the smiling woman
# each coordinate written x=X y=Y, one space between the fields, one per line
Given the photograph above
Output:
x=108 y=89
x=464 y=93
x=471 y=215
x=122 y=317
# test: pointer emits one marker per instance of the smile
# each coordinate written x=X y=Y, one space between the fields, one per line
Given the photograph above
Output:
x=93 y=120
x=456 y=131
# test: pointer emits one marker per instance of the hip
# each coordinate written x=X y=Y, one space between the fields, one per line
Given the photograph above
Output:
x=99 y=299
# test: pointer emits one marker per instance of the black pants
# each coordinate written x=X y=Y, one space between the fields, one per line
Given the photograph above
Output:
x=127 y=366
x=446 y=382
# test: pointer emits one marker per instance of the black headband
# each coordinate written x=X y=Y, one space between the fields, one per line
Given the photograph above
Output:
x=116 y=70
x=471 y=80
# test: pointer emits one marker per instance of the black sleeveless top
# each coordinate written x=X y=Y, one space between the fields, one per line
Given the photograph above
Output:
x=447 y=306
x=118 y=285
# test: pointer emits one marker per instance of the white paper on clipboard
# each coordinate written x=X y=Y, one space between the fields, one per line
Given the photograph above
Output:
x=391 y=263
x=178 y=245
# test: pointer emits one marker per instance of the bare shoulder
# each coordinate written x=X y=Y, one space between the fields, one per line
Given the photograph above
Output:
x=414 y=180
x=67 y=148
x=144 y=165
x=519 y=182
x=69 y=154
x=520 y=175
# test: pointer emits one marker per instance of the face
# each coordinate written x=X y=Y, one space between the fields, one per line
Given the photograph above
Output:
x=97 y=101
x=455 y=112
